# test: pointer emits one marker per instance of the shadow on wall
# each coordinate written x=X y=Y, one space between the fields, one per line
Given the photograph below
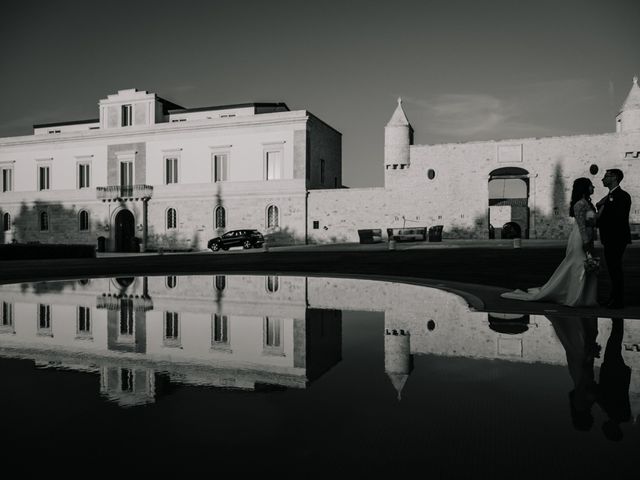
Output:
x=284 y=236
x=46 y=222
x=172 y=241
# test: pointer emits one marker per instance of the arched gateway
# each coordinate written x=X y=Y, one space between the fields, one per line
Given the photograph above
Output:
x=509 y=203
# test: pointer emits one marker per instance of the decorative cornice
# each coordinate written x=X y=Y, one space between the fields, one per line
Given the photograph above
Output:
x=283 y=118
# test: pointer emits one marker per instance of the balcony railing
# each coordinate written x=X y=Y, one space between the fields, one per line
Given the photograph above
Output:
x=115 y=192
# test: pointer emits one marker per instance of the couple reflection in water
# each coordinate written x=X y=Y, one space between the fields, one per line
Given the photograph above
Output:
x=611 y=392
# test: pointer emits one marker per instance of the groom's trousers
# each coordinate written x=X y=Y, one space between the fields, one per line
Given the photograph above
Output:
x=613 y=256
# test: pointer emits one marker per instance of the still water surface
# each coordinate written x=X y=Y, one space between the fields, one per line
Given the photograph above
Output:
x=285 y=375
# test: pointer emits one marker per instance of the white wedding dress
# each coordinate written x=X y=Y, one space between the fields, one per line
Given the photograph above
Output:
x=569 y=285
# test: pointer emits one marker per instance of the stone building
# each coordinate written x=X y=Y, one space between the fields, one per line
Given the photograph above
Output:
x=152 y=173
x=148 y=172
x=520 y=185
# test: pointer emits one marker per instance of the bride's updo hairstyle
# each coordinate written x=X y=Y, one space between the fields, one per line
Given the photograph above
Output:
x=580 y=190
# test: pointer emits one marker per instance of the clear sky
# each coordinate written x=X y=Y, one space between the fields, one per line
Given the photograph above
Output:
x=466 y=69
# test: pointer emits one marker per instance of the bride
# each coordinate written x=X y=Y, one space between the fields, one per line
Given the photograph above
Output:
x=570 y=284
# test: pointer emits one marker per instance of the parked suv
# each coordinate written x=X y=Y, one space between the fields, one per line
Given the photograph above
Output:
x=237 y=238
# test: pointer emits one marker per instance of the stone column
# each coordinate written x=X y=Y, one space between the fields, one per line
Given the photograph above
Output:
x=143 y=247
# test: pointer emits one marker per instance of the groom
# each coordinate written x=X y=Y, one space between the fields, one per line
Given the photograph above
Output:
x=615 y=234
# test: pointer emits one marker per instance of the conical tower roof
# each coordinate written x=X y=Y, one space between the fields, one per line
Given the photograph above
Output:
x=398 y=380
x=633 y=99
x=399 y=118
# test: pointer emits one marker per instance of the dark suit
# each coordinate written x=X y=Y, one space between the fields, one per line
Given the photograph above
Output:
x=615 y=235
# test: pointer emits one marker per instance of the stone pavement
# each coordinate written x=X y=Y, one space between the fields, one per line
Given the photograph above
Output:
x=477 y=270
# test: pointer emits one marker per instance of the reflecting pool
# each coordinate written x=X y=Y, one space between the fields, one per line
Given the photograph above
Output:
x=289 y=376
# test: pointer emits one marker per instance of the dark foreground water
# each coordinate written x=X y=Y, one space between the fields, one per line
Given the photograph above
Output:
x=294 y=376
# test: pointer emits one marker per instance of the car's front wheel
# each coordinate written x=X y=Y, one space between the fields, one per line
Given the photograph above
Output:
x=246 y=244
x=215 y=247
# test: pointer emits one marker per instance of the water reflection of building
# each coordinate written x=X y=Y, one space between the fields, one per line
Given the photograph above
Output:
x=142 y=334
x=436 y=322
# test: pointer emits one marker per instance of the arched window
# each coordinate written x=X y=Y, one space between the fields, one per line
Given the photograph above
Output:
x=219 y=217
x=172 y=281
x=44 y=221
x=172 y=219
x=273 y=216
x=220 y=282
x=6 y=222
x=83 y=219
x=272 y=283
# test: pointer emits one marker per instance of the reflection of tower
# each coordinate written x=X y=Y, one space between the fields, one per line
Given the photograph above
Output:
x=398 y=361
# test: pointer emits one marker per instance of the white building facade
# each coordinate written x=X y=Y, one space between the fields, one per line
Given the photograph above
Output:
x=150 y=174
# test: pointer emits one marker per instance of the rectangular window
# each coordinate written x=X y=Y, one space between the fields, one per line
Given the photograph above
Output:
x=6 y=318
x=273 y=336
x=84 y=175
x=316 y=224
x=83 y=327
x=220 y=161
x=322 y=171
x=171 y=329
x=44 y=319
x=171 y=170
x=127 y=115
x=7 y=179
x=126 y=177
x=273 y=164
x=220 y=329
x=43 y=178
x=126 y=331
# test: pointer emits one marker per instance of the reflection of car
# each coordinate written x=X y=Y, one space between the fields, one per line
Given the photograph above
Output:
x=237 y=238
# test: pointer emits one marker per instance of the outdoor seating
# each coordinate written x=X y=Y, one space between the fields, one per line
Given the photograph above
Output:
x=414 y=234
x=370 y=235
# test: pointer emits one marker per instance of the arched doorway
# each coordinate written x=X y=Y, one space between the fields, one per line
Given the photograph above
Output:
x=124 y=231
x=509 y=203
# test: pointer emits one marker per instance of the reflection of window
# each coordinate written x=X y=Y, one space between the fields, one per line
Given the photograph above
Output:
x=127 y=380
x=127 y=324
x=171 y=329
x=272 y=216
x=6 y=222
x=6 y=318
x=272 y=283
x=44 y=319
x=172 y=219
x=171 y=170
x=172 y=281
x=219 y=331
x=220 y=165
x=44 y=221
x=220 y=218
x=272 y=328
x=83 y=326
x=220 y=282
x=84 y=220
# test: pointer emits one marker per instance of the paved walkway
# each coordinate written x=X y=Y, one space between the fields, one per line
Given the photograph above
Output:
x=477 y=270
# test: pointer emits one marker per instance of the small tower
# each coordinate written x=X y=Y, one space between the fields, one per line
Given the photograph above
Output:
x=398 y=136
x=629 y=117
x=397 y=357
